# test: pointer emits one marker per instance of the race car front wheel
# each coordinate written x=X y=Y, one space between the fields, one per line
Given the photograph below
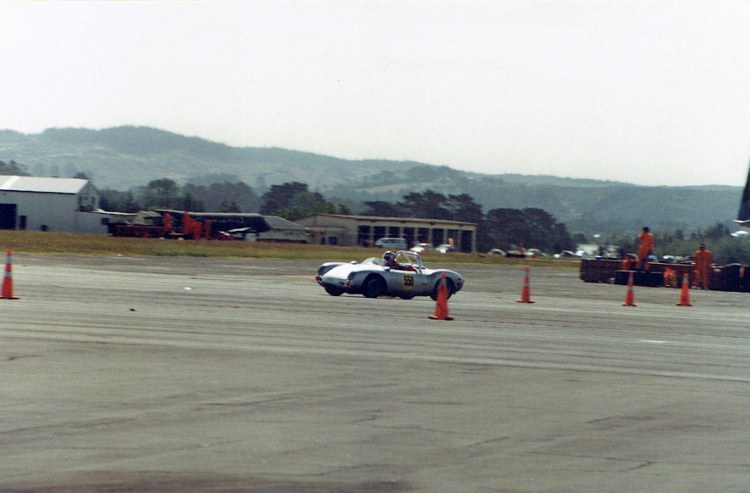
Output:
x=373 y=286
x=334 y=291
x=448 y=284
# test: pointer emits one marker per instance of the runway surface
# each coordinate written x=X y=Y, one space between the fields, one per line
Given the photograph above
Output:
x=208 y=375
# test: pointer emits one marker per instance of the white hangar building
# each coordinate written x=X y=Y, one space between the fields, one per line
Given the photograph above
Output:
x=50 y=204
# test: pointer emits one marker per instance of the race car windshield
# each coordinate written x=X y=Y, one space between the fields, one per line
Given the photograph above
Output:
x=406 y=259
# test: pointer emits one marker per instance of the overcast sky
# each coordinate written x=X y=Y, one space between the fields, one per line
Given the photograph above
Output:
x=653 y=93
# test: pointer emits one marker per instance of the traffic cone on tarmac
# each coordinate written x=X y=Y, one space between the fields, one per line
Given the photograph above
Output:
x=7 y=291
x=526 y=291
x=441 y=308
x=630 y=295
x=685 y=292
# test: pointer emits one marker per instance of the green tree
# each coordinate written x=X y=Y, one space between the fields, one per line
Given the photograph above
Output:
x=13 y=168
x=229 y=207
x=505 y=227
x=130 y=204
x=427 y=205
x=216 y=194
x=463 y=208
x=381 y=208
x=531 y=228
x=117 y=201
x=304 y=204
x=162 y=193
x=190 y=203
x=280 y=196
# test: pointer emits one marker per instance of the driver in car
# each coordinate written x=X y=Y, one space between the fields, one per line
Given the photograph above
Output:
x=389 y=259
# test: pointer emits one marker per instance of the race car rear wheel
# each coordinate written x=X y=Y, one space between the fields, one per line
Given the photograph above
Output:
x=448 y=284
x=373 y=286
x=334 y=291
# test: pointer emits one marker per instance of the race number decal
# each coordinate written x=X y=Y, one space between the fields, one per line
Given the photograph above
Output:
x=408 y=282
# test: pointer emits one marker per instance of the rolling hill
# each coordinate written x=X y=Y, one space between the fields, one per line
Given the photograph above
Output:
x=122 y=158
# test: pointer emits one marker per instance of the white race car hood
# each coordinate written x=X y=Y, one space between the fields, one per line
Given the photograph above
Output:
x=343 y=271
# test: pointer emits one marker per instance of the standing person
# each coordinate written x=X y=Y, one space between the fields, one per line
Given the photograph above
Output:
x=646 y=247
x=703 y=260
x=167 y=223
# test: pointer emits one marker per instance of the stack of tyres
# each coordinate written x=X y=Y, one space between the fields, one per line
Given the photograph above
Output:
x=640 y=278
x=649 y=279
x=726 y=278
x=745 y=280
x=621 y=277
x=714 y=278
x=589 y=271
x=597 y=270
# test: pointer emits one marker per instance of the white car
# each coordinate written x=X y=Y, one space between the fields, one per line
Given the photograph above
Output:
x=422 y=248
x=371 y=278
x=445 y=248
x=535 y=253
x=391 y=243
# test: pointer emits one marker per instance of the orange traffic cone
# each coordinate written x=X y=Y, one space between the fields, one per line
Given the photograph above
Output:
x=685 y=292
x=441 y=309
x=7 y=292
x=526 y=291
x=630 y=295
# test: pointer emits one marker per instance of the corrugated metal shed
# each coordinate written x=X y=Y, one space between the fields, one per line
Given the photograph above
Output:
x=41 y=184
x=276 y=222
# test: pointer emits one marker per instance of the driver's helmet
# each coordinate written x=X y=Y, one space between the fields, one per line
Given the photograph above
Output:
x=389 y=257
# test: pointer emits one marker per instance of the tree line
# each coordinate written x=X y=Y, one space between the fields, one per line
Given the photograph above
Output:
x=503 y=228
x=498 y=228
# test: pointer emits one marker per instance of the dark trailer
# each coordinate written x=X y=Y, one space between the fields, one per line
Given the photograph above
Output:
x=220 y=221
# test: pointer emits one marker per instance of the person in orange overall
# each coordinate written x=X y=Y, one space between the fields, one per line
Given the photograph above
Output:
x=167 y=223
x=646 y=246
x=703 y=260
x=197 y=228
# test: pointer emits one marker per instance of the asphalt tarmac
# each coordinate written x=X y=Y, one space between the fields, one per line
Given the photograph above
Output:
x=194 y=374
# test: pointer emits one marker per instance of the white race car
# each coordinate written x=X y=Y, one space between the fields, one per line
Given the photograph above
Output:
x=372 y=278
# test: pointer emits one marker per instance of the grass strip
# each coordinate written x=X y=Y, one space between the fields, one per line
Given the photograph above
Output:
x=90 y=244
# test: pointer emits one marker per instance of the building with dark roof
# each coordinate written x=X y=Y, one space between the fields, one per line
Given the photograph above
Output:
x=250 y=226
x=338 y=229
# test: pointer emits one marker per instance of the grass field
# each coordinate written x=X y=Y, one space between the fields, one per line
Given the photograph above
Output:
x=87 y=244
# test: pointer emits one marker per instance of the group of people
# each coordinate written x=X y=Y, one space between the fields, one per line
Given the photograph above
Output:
x=646 y=242
x=702 y=258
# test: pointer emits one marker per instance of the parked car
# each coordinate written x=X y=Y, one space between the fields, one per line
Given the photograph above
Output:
x=391 y=243
x=565 y=254
x=445 y=248
x=422 y=248
x=371 y=278
x=535 y=253
x=496 y=251
x=675 y=259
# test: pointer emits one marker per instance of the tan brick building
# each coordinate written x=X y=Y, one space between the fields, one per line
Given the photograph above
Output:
x=337 y=229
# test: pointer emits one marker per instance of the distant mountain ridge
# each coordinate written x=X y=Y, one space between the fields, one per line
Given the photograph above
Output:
x=126 y=157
